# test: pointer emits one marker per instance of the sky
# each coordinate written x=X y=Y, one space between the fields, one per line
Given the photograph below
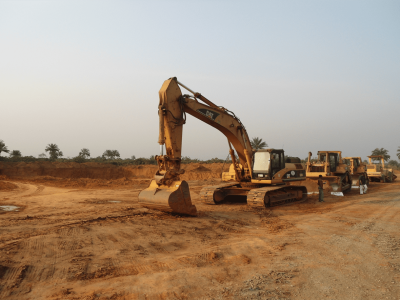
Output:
x=302 y=75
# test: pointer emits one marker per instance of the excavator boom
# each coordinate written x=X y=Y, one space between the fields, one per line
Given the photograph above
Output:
x=166 y=191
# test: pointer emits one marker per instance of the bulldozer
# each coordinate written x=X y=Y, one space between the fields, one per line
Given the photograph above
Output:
x=263 y=176
x=378 y=172
x=357 y=170
x=335 y=174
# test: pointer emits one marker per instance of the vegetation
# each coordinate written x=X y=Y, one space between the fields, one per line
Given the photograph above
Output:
x=116 y=161
x=111 y=154
x=3 y=147
x=398 y=152
x=394 y=163
x=257 y=143
x=382 y=152
x=84 y=153
x=15 y=153
x=54 y=151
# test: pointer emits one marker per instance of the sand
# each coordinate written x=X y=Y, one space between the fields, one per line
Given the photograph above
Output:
x=88 y=238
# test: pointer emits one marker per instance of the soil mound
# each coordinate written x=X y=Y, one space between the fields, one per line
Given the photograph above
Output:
x=97 y=175
x=7 y=186
x=201 y=169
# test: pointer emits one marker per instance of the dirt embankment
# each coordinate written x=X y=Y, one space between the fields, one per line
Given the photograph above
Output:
x=95 y=175
x=6 y=186
x=67 y=170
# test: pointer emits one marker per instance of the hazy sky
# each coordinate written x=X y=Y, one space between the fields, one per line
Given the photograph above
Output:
x=303 y=75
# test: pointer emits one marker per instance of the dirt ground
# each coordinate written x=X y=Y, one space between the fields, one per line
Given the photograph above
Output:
x=80 y=238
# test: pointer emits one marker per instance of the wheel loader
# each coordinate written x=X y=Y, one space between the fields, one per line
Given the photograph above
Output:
x=378 y=172
x=357 y=170
x=335 y=173
x=262 y=176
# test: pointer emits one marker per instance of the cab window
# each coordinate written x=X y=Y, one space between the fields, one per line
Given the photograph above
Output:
x=261 y=162
x=333 y=161
x=356 y=163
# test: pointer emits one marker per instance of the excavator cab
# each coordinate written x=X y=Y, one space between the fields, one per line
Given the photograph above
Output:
x=267 y=162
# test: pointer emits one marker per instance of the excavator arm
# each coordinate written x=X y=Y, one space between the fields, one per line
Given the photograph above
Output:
x=166 y=190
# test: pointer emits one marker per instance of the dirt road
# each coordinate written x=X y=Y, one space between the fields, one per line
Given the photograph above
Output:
x=66 y=243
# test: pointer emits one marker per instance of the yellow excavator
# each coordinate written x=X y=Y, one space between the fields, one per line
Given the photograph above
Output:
x=261 y=175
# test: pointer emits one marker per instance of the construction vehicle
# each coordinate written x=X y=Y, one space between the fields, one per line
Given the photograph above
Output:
x=261 y=175
x=357 y=170
x=335 y=174
x=378 y=172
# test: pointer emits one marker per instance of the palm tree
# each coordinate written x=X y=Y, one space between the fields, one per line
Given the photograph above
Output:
x=3 y=147
x=85 y=153
x=257 y=143
x=398 y=153
x=382 y=152
x=54 y=151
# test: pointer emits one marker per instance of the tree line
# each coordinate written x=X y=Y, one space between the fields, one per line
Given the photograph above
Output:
x=113 y=156
x=53 y=153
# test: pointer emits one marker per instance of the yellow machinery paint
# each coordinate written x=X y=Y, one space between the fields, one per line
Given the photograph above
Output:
x=334 y=172
x=262 y=187
x=357 y=170
x=378 y=172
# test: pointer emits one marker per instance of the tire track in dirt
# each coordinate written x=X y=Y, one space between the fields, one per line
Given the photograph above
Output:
x=12 y=280
x=116 y=253
x=388 y=246
x=85 y=222
x=346 y=252
x=28 y=190
x=125 y=266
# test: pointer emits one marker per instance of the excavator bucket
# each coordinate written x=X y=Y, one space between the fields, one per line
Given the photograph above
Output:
x=174 y=198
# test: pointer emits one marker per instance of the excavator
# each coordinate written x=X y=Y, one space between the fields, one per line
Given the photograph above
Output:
x=261 y=175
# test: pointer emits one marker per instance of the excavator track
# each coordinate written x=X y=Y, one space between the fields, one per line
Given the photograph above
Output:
x=207 y=193
x=274 y=196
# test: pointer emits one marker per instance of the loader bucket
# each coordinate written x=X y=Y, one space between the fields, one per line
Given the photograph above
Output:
x=174 y=198
x=355 y=182
x=310 y=185
x=332 y=185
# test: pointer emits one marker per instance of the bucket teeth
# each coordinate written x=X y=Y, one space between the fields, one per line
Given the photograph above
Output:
x=174 y=198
